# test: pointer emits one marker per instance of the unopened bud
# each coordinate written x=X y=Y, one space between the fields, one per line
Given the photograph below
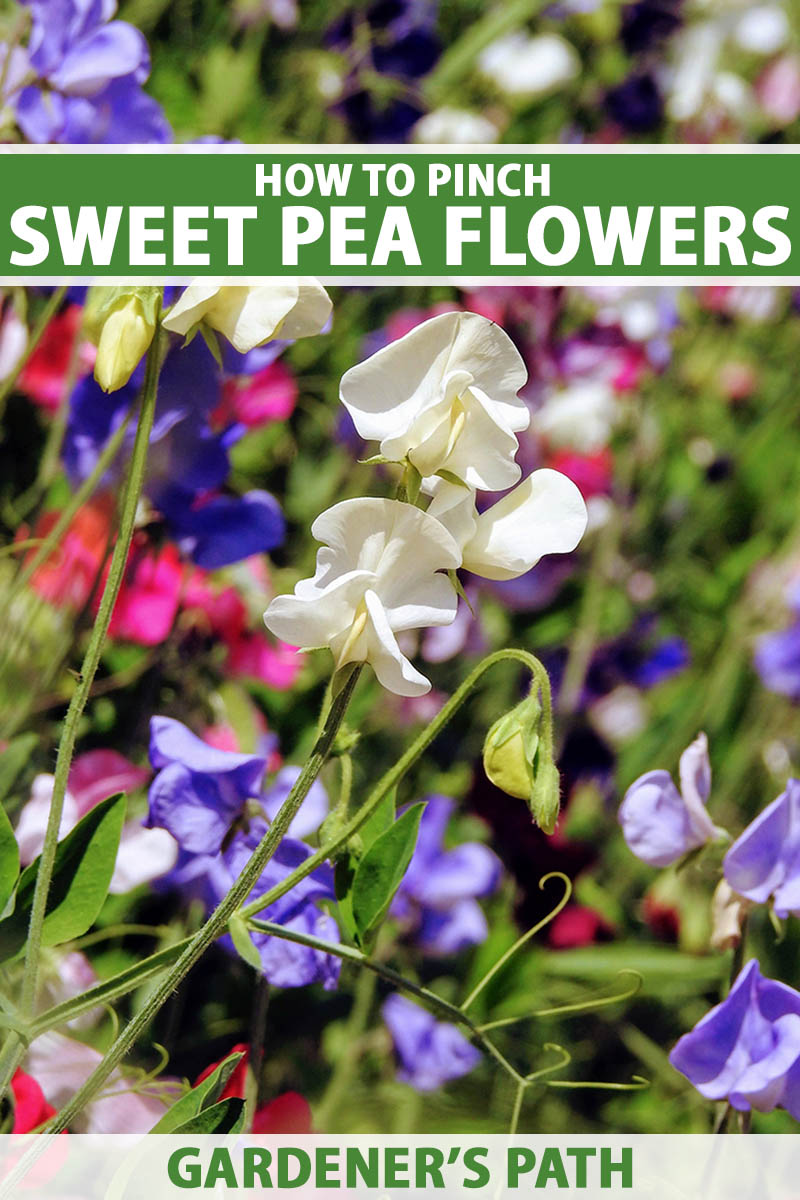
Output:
x=516 y=761
x=510 y=749
x=122 y=323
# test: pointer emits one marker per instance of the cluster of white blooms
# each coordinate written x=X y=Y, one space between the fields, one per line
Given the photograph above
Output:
x=442 y=402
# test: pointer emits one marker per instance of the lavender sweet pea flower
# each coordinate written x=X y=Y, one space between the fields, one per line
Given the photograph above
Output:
x=430 y=1052
x=208 y=878
x=90 y=70
x=661 y=824
x=747 y=1049
x=764 y=861
x=777 y=660
x=199 y=791
x=438 y=895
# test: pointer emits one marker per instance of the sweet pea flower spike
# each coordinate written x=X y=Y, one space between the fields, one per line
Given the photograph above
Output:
x=764 y=862
x=445 y=398
x=545 y=514
x=248 y=316
x=377 y=575
x=661 y=824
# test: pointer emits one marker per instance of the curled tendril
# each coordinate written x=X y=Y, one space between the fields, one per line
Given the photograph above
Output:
x=564 y=1061
x=583 y=1006
x=143 y=1082
x=526 y=937
x=638 y=1082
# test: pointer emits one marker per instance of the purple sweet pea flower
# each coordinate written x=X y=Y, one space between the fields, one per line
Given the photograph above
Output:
x=199 y=791
x=208 y=878
x=661 y=824
x=437 y=897
x=189 y=461
x=91 y=69
x=747 y=1049
x=777 y=659
x=430 y=1052
x=764 y=861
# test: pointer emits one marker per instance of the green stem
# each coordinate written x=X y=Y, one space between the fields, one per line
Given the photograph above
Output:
x=336 y=1091
x=217 y=922
x=47 y=313
x=350 y=954
x=14 y=1048
x=404 y=764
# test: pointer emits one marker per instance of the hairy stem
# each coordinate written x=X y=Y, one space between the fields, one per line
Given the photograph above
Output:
x=14 y=1048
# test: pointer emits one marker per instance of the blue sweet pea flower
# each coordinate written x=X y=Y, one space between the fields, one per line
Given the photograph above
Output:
x=189 y=461
x=747 y=1049
x=660 y=823
x=764 y=862
x=438 y=895
x=777 y=660
x=430 y=1052
x=199 y=791
x=90 y=70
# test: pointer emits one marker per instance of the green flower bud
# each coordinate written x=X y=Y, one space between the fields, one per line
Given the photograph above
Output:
x=516 y=759
x=510 y=749
x=122 y=322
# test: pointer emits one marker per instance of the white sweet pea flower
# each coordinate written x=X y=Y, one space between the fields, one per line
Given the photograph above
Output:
x=545 y=514
x=580 y=416
x=445 y=397
x=377 y=575
x=247 y=316
x=525 y=66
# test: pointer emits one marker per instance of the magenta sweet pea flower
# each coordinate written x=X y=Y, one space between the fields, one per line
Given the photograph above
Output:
x=764 y=861
x=430 y=1053
x=660 y=823
x=747 y=1049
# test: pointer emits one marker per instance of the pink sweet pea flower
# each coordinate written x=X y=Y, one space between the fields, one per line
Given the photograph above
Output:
x=61 y=1066
x=44 y=374
x=254 y=656
x=144 y=854
x=148 y=600
x=67 y=577
x=268 y=395
x=219 y=611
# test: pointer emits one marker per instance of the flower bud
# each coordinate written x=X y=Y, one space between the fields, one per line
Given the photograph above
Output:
x=510 y=749
x=515 y=760
x=121 y=321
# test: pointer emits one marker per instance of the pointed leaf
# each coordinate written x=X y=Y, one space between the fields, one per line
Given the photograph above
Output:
x=240 y=936
x=9 y=860
x=13 y=759
x=203 y=1095
x=82 y=871
x=225 y=1117
x=381 y=870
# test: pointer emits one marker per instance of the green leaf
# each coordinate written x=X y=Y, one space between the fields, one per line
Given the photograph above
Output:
x=111 y=989
x=82 y=871
x=9 y=860
x=240 y=936
x=379 y=873
x=13 y=759
x=203 y=1096
x=225 y=1117
x=381 y=820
